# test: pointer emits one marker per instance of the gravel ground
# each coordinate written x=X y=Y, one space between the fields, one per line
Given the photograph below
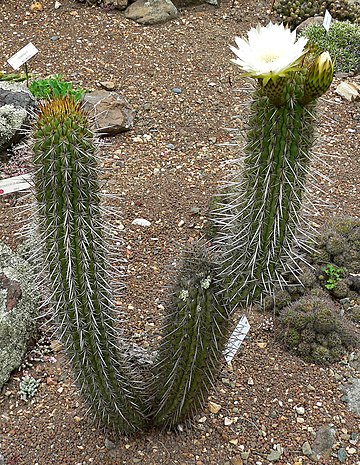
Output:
x=165 y=170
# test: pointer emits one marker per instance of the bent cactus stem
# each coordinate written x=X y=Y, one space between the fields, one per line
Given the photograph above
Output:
x=71 y=226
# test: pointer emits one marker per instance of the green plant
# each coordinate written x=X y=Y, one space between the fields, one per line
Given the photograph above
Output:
x=28 y=387
x=53 y=87
x=313 y=328
x=13 y=77
x=342 y=41
x=294 y=12
x=333 y=275
x=259 y=219
x=113 y=378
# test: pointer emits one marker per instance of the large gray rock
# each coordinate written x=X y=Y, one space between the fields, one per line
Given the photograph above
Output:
x=323 y=443
x=149 y=12
x=111 y=112
x=16 y=108
x=18 y=308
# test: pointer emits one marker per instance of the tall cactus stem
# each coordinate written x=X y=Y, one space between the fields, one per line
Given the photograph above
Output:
x=70 y=223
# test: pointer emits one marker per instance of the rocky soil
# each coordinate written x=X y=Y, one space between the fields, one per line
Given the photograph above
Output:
x=268 y=406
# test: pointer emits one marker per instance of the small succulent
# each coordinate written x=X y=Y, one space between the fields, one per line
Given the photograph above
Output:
x=28 y=387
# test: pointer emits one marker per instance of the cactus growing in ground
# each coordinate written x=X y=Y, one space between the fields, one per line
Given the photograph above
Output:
x=70 y=223
x=71 y=226
x=293 y=13
x=193 y=340
x=260 y=216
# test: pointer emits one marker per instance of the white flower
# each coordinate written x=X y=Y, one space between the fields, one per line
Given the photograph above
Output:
x=269 y=52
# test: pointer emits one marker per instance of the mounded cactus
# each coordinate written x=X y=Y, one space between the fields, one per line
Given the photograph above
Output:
x=293 y=13
x=260 y=216
x=313 y=328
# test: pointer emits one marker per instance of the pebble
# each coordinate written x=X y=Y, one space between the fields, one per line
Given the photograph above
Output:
x=245 y=455
x=109 y=444
x=141 y=222
x=274 y=455
x=2 y=460
x=306 y=449
x=54 y=38
x=250 y=382
x=341 y=455
x=352 y=451
x=237 y=461
x=176 y=90
x=300 y=410
x=214 y=407
x=170 y=146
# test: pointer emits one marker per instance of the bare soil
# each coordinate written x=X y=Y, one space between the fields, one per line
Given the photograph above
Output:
x=165 y=170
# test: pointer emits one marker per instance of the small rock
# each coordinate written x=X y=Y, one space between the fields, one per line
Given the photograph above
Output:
x=274 y=455
x=170 y=146
x=141 y=222
x=300 y=410
x=250 y=381
x=348 y=90
x=36 y=6
x=213 y=407
x=202 y=420
x=234 y=441
x=77 y=419
x=57 y=5
x=341 y=455
x=245 y=455
x=109 y=444
x=228 y=421
x=107 y=85
x=54 y=38
x=324 y=441
x=354 y=438
x=237 y=461
x=3 y=462
x=306 y=449
x=352 y=451
x=176 y=90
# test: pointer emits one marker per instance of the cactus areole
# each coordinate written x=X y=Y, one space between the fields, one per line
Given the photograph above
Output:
x=260 y=215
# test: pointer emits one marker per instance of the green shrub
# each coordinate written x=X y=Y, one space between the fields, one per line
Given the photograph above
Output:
x=53 y=87
x=342 y=42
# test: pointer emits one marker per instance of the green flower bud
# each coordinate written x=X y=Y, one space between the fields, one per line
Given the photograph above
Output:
x=318 y=78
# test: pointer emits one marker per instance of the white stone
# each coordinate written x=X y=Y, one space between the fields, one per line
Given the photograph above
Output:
x=141 y=222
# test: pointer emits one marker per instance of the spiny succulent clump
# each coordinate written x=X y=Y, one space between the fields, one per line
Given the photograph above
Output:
x=342 y=41
x=334 y=267
x=313 y=328
x=294 y=13
x=28 y=387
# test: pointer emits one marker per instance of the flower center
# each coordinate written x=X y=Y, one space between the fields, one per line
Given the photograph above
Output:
x=269 y=57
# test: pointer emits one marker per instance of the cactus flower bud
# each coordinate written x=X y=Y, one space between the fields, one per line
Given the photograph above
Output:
x=318 y=78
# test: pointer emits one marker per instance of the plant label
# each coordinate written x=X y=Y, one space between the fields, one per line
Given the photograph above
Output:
x=327 y=21
x=237 y=337
x=14 y=184
x=22 y=56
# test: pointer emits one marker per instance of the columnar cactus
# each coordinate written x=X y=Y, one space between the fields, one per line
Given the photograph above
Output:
x=71 y=227
x=261 y=212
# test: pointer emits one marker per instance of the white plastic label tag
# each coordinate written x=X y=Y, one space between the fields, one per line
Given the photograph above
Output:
x=327 y=21
x=17 y=183
x=237 y=337
x=22 y=56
